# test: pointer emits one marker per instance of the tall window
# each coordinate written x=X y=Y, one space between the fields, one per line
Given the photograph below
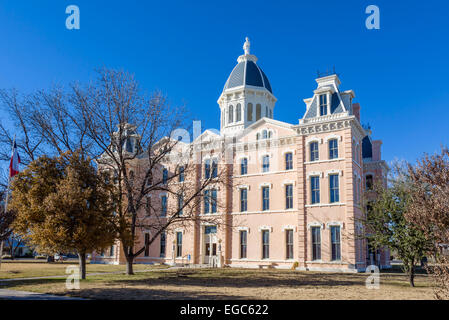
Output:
x=333 y=149
x=129 y=145
x=266 y=111
x=266 y=163
x=181 y=174
x=334 y=188
x=264 y=134
x=243 y=244
x=163 y=206
x=239 y=113
x=258 y=111
x=250 y=112
x=316 y=243
x=164 y=176
x=315 y=188
x=243 y=200
x=214 y=168
x=178 y=244
x=206 y=201
x=289 y=196
x=289 y=244
x=180 y=204
x=323 y=104
x=213 y=200
x=335 y=241
x=207 y=169
x=231 y=114
x=163 y=245
x=289 y=161
x=244 y=166
x=111 y=251
x=265 y=198
x=271 y=114
x=265 y=244
x=369 y=182
x=314 y=155
x=147 y=247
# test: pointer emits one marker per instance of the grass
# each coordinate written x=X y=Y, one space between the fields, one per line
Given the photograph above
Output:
x=234 y=284
x=29 y=269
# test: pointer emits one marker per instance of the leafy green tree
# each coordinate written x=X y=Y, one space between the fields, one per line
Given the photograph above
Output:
x=63 y=205
x=386 y=225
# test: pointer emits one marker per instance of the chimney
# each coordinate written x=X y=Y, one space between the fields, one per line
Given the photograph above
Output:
x=377 y=156
x=356 y=110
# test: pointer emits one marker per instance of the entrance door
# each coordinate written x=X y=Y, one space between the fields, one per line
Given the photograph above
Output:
x=210 y=244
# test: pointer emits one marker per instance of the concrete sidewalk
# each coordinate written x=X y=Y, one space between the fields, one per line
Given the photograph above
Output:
x=24 y=295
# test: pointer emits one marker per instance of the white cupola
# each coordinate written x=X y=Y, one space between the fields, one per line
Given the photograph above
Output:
x=247 y=95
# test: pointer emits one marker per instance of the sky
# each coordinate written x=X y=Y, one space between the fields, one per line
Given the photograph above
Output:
x=187 y=49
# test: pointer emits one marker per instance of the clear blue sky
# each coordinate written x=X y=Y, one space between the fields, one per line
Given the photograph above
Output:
x=187 y=49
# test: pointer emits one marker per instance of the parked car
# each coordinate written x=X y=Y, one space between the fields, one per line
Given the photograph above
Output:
x=59 y=257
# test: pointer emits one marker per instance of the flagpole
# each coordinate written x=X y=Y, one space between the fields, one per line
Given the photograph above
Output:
x=6 y=203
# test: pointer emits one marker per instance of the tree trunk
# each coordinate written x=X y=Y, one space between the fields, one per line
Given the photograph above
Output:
x=11 y=251
x=129 y=265
x=412 y=275
x=82 y=264
x=1 y=252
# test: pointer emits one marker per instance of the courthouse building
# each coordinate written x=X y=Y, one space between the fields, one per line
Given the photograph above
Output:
x=296 y=191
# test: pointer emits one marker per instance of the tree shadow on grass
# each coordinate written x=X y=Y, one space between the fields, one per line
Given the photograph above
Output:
x=257 y=279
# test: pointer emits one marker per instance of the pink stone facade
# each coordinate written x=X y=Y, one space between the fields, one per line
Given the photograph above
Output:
x=282 y=223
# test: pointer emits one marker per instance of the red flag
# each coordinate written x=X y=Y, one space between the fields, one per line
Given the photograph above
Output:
x=15 y=160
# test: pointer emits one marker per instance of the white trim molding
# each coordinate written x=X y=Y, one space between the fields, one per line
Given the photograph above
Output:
x=243 y=229
x=334 y=171
x=314 y=139
x=333 y=136
x=288 y=182
x=289 y=151
x=265 y=184
x=289 y=227
x=315 y=174
x=262 y=228
x=315 y=224
x=335 y=223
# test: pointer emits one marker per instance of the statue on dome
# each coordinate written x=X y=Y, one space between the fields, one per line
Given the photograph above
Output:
x=246 y=46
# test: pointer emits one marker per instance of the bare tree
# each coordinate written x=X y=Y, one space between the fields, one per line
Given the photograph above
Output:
x=430 y=212
x=134 y=136
x=131 y=135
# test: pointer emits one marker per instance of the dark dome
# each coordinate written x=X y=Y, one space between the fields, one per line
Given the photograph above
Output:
x=248 y=73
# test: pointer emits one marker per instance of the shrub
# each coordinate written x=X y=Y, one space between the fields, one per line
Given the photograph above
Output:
x=295 y=265
x=6 y=257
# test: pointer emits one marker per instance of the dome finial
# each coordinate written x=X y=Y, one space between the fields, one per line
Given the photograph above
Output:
x=246 y=46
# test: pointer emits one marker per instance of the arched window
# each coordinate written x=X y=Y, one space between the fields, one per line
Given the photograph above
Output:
x=369 y=182
x=239 y=113
x=258 y=111
x=266 y=163
x=264 y=134
x=270 y=134
x=250 y=112
x=258 y=136
x=129 y=145
x=231 y=114
x=271 y=114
